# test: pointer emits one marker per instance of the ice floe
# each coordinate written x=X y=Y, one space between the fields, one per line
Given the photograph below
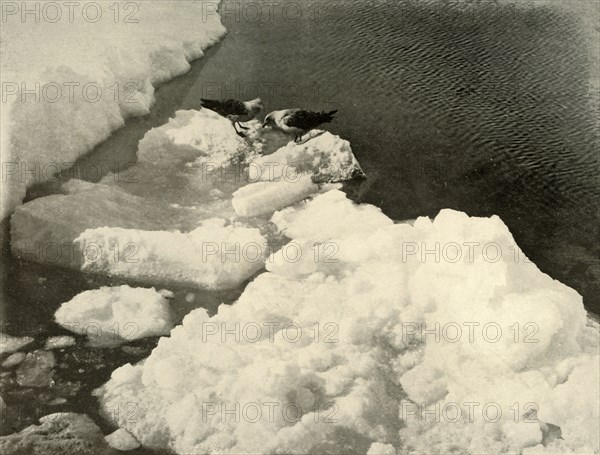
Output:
x=59 y=342
x=213 y=256
x=363 y=335
x=122 y=440
x=13 y=360
x=267 y=197
x=37 y=369
x=9 y=343
x=181 y=214
x=64 y=433
x=114 y=315
x=413 y=337
x=323 y=155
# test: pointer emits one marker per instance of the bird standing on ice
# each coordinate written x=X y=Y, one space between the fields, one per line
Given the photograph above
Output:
x=234 y=110
x=297 y=121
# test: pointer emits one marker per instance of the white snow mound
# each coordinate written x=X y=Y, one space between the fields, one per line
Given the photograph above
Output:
x=330 y=358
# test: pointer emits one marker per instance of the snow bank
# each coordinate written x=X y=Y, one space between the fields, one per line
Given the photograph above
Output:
x=336 y=357
x=113 y=315
x=67 y=87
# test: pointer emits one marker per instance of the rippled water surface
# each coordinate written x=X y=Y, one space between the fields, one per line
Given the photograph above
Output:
x=483 y=109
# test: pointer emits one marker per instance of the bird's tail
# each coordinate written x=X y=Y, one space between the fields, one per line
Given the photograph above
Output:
x=327 y=117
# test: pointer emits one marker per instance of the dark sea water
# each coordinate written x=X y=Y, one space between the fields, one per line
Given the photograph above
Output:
x=484 y=109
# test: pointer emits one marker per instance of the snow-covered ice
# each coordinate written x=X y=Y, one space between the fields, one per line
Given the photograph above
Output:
x=212 y=256
x=363 y=334
x=73 y=86
x=36 y=370
x=59 y=342
x=267 y=197
x=181 y=214
x=122 y=440
x=13 y=360
x=337 y=344
x=9 y=343
x=59 y=433
x=378 y=448
x=326 y=156
x=114 y=315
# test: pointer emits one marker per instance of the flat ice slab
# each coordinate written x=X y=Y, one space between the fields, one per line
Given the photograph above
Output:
x=212 y=256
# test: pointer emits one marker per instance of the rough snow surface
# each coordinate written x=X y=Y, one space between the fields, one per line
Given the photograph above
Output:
x=359 y=351
x=73 y=86
x=114 y=315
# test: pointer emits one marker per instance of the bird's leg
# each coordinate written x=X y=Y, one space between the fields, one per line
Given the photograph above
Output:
x=239 y=133
x=242 y=126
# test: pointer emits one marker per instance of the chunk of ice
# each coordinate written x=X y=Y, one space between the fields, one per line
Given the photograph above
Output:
x=320 y=218
x=267 y=197
x=59 y=342
x=212 y=256
x=13 y=360
x=122 y=440
x=114 y=315
x=327 y=157
x=335 y=338
x=9 y=343
x=36 y=370
x=64 y=433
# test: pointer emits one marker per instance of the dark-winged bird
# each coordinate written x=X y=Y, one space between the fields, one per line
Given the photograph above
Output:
x=234 y=110
x=297 y=121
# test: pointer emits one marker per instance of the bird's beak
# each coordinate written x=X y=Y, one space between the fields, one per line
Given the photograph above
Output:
x=265 y=123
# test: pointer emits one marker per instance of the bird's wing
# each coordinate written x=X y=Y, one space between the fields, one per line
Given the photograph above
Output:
x=227 y=107
x=304 y=120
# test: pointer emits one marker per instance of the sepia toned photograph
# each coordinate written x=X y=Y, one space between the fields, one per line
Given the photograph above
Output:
x=285 y=227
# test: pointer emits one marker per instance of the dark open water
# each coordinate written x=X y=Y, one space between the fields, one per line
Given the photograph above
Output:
x=483 y=109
